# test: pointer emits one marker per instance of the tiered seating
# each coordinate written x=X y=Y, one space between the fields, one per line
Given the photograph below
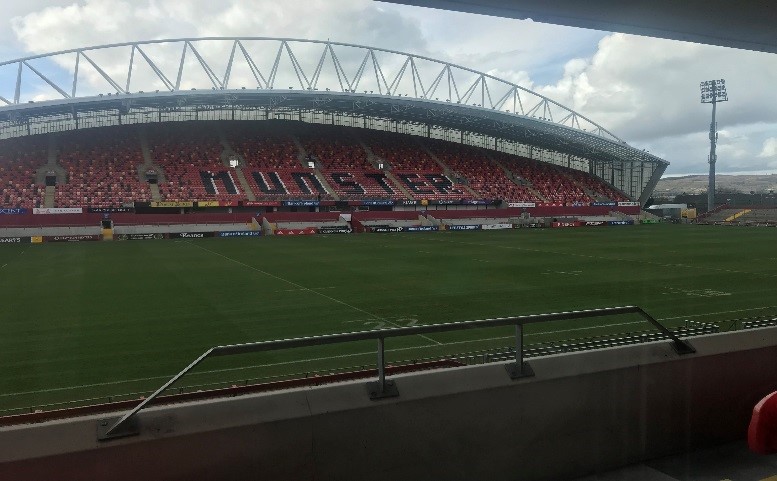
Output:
x=401 y=151
x=547 y=179
x=272 y=166
x=484 y=176
x=19 y=159
x=102 y=169
x=596 y=185
x=414 y=167
x=345 y=165
x=191 y=158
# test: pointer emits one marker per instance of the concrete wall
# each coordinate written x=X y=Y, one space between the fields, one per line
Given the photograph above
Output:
x=581 y=413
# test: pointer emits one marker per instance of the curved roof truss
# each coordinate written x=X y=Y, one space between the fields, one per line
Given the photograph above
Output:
x=228 y=63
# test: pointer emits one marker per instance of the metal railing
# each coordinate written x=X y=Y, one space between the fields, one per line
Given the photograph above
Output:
x=127 y=425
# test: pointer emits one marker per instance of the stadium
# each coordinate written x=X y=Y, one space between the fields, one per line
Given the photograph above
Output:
x=246 y=201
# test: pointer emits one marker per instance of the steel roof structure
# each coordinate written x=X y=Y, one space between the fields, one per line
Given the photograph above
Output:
x=283 y=78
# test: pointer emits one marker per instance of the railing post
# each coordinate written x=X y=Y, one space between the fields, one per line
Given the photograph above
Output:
x=519 y=368
x=382 y=388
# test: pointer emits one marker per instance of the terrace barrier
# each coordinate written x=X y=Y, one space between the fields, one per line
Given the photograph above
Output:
x=128 y=425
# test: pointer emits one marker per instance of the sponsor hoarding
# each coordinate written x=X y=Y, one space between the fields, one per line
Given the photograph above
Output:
x=496 y=226
x=207 y=203
x=14 y=240
x=529 y=225
x=12 y=211
x=648 y=221
x=301 y=203
x=108 y=210
x=566 y=224
x=378 y=202
x=407 y=202
x=139 y=236
x=620 y=222
x=463 y=227
x=191 y=235
x=628 y=204
x=521 y=204
x=305 y=231
x=57 y=210
x=421 y=228
x=603 y=204
x=260 y=203
x=70 y=238
x=172 y=204
x=595 y=222
x=334 y=230
x=240 y=233
x=384 y=228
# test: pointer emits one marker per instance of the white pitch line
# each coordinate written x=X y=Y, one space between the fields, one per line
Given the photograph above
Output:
x=299 y=286
x=315 y=359
x=714 y=313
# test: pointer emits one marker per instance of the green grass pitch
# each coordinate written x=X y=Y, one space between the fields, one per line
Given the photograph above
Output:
x=84 y=321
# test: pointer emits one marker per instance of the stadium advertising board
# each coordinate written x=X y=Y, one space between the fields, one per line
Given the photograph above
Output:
x=301 y=203
x=139 y=236
x=12 y=211
x=57 y=210
x=334 y=230
x=240 y=233
x=377 y=202
x=207 y=203
x=478 y=202
x=463 y=227
x=421 y=228
x=521 y=204
x=262 y=203
x=595 y=222
x=172 y=204
x=648 y=221
x=496 y=226
x=620 y=222
x=305 y=231
x=628 y=204
x=14 y=240
x=108 y=210
x=603 y=204
x=191 y=235
x=566 y=224
x=384 y=228
x=529 y=225
x=70 y=238
x=407 y=202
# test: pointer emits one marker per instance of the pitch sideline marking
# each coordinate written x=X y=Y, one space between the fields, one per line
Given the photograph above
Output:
x=299 y=286
x=342 y=356
x=324 y=358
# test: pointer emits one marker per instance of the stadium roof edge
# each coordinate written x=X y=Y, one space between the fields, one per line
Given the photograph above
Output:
x=572 y=116
x=533 y=131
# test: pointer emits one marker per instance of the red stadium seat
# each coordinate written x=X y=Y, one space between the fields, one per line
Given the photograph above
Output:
x=762 y=432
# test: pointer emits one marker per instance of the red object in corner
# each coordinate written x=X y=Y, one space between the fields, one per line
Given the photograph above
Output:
x=762 y=433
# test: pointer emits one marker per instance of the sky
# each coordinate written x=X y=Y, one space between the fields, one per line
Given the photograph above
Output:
x=644 y=90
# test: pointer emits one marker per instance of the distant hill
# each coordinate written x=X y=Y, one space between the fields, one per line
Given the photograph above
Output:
x=696 y=184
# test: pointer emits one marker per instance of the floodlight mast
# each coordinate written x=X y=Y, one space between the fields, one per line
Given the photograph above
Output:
x=712 y=92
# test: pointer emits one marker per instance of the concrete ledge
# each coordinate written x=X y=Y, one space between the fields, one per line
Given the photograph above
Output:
x=582 y=413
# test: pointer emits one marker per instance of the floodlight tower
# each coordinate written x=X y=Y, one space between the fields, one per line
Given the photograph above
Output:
x=712 y=92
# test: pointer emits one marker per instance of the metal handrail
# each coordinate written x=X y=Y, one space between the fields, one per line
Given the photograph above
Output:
x=127 y=424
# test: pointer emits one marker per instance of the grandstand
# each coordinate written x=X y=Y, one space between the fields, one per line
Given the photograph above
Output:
x=333 y=154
